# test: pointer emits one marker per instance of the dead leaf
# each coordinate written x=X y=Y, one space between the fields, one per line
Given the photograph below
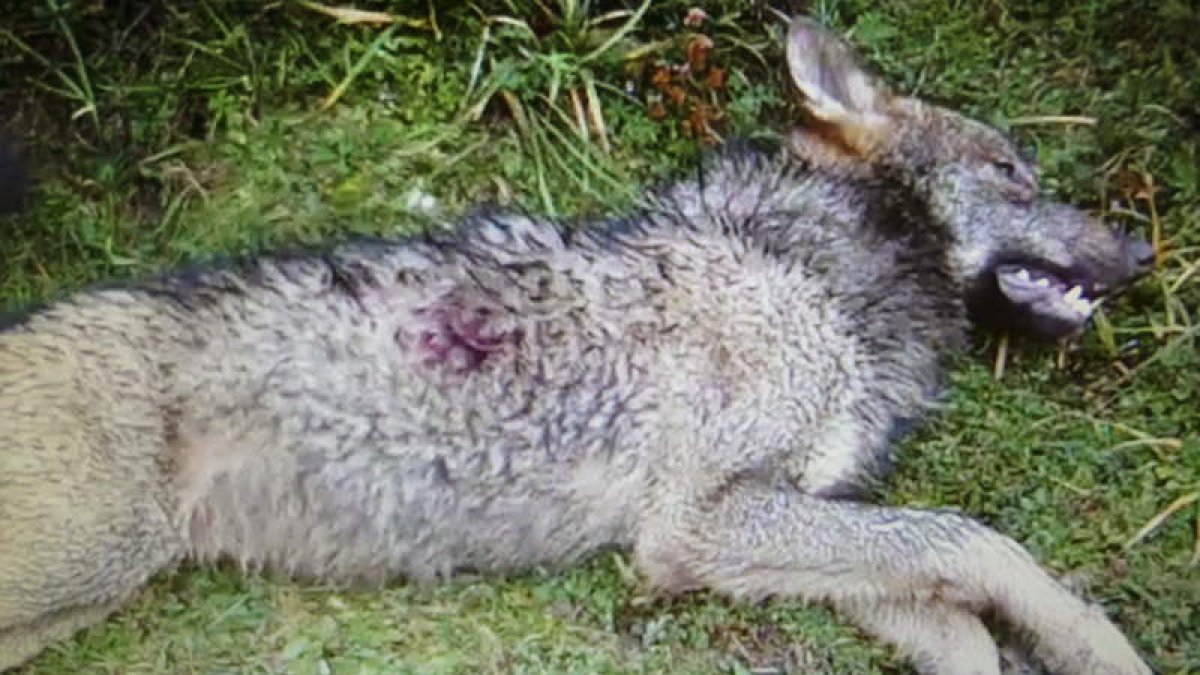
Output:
x=695 y=17
x=697 y=52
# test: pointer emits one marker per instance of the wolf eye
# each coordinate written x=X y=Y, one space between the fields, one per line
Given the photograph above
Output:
x=1007 y=168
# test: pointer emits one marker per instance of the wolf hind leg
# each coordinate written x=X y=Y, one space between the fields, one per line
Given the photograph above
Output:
x=84 y=524
x=22 y=642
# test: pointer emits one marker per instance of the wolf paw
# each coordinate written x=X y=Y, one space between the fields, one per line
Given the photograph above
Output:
x=1095 y=646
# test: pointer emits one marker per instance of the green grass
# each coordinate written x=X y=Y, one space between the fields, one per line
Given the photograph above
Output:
x=167 y=132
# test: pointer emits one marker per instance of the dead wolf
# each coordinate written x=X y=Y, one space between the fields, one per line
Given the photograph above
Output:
x=709 y=380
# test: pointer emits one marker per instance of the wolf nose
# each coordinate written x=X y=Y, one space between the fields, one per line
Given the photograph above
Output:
x=1140 y=253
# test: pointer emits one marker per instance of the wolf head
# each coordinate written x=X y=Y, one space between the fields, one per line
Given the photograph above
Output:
x=1022 y=262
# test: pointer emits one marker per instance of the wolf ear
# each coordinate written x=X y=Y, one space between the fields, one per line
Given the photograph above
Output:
x=838 y=91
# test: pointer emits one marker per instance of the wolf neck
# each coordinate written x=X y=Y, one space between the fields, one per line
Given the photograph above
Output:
x=815 y=219
x=869 y=245
x=771 y=199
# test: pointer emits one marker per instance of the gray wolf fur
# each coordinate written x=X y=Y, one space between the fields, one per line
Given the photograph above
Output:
x=709 y=381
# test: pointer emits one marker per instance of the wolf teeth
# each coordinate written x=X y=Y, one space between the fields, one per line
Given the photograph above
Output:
x=1042 y=283
x=1083 y=307
x=1023 y=274
x=1075 y=300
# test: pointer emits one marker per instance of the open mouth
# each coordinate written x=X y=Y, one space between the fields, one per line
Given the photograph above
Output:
x=1045 y=293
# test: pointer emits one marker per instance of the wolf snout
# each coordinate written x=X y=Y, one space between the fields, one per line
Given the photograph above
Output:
x=1139 y=254
x=1130 y=261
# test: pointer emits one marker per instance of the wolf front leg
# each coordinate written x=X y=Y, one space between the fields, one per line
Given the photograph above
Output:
x=917 y=579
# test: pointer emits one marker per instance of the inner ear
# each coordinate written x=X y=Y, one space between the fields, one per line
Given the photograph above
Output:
x=837 y=88
x=824 y=145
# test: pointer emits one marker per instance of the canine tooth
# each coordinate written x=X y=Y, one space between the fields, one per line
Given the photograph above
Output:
x=1080 y=304
x=1042 y=283
x=1023 y=274
x=1073 y=295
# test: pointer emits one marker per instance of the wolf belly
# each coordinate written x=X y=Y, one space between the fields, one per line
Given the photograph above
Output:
x=383 y=511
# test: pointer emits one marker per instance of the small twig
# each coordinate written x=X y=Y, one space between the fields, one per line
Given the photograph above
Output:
x=518 y=113
x=477 y=64
x=352 y=17
x=1001 y=357
x=1158 y=519
x=577 y=108
x=1168 y=443
x=1183 y=336
x=433 y=22
x=595 y=114
x=1073 y=488
x=1196 y=546
x=1155 y=224
x=1143 y=436
x=1190 y=269
x=357 y=68
x=618 y=34
x=1053 y=119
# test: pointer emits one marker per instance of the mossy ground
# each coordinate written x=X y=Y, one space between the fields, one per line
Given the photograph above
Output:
x=168 y=132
